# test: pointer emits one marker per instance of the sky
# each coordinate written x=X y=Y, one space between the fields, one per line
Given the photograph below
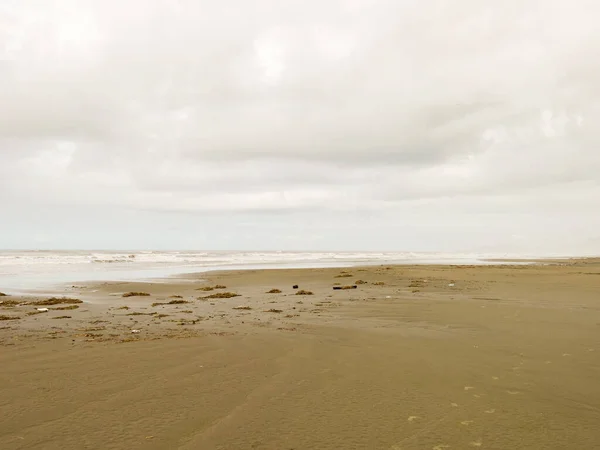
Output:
x=429 y=125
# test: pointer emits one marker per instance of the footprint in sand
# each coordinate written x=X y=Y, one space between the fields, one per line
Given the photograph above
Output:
x=468 y=388
x=413 y=418
x=466 y=422
x=490 y=411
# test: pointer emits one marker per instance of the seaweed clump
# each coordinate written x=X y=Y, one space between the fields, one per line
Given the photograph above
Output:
x=57 y=301
x=135 y=294
x=222 y=295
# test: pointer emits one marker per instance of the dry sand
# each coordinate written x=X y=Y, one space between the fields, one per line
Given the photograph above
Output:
x=431 y=357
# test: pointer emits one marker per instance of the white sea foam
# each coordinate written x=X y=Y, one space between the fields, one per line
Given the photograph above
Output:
x=21 y=270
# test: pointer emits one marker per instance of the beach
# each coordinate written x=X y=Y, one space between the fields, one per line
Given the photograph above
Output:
x=398 y=357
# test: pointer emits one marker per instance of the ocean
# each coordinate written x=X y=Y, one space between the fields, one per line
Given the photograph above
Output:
x=26 y=271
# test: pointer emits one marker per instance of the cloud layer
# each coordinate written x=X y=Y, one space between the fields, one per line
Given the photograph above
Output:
x=391 y=115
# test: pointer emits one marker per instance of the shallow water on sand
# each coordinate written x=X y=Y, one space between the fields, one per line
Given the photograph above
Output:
x=24 y=271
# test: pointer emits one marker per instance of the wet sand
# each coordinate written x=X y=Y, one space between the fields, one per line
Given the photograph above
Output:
x=416 y=357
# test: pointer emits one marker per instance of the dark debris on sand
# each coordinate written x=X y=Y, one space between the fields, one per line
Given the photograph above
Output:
x=221 y=295
x=57 y=301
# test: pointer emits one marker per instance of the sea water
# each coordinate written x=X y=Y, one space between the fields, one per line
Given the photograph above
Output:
x=23 y=271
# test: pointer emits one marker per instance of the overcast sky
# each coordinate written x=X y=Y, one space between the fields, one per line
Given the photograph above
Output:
x=434 y=125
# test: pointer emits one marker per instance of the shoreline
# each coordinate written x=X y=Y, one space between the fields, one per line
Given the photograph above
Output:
x=46 y=286
x=48 y=275
x=471 y=351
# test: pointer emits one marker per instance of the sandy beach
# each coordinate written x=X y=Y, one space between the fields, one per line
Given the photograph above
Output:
x=383 y=357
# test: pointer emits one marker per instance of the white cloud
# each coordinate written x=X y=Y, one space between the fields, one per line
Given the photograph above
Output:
x=398 y=108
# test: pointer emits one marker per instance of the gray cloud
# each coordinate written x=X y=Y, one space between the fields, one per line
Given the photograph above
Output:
x=395 y=108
